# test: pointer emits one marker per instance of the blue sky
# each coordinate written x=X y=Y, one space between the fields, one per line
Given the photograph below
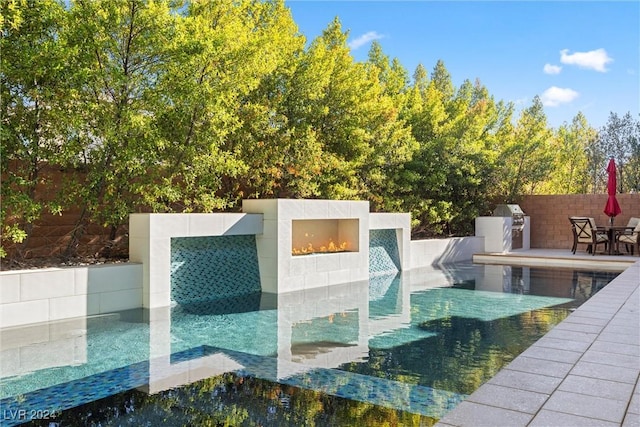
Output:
x=576 y=55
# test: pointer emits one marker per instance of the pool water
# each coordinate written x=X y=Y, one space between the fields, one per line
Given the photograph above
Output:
x=400 y=349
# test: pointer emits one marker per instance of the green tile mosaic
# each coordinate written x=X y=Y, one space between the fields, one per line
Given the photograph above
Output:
x=210 y=268
x=384 y=256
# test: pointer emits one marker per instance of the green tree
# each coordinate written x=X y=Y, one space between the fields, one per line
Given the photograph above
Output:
x=618 y=138
x=230 y=52
x=478 y=126
x=280 y=153
x=441 y=77
x=425 y=112
x=459 y=132
x=389 y=136
x=122 y=50
x=325 y=105
x=633 y=164
x=392 y=76
x=420 y=79
x=34 y=92
x=527 y=159
x=570 y=165
x=595 y=175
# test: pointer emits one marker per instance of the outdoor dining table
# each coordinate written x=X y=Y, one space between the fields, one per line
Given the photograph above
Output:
x=613 y=231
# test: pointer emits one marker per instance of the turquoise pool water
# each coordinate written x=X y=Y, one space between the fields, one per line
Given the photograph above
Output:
x=404 y=347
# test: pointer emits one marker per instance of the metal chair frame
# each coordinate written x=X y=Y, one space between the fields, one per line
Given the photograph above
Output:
x=585 y=232
x=631 y=239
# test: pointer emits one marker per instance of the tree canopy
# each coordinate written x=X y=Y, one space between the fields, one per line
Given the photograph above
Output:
x=177 y=106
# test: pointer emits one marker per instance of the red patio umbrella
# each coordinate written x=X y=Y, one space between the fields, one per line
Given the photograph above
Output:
x=612 y=208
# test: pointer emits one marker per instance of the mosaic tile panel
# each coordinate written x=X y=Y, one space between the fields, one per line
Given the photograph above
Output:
x=208 y=268
x=380 y=284
x=384 y=256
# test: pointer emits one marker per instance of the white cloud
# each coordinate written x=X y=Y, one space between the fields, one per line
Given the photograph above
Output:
x=552 y=69
x=521 y=101
x=555 y=96
x=364 y=39
x=594 y=59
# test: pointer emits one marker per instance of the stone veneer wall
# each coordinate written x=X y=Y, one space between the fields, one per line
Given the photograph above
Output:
x=550 y=227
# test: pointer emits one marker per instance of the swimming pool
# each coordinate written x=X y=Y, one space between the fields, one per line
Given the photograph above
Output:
x=399 y=348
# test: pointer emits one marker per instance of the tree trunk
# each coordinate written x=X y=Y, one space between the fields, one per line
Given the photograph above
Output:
x=77 y=233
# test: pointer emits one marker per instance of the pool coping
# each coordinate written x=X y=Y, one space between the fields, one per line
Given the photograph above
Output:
x=557 y=258
x=585 y=371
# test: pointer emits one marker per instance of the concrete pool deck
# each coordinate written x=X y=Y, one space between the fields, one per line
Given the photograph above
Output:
x=584 y=372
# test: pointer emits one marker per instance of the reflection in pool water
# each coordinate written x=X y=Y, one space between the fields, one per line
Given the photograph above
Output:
x=399 y=348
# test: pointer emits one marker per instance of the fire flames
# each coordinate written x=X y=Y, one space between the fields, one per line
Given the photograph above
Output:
x=329 y=248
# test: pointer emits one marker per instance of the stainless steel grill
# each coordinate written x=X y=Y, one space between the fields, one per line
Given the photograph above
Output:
x=514 y=212
x=517 y=223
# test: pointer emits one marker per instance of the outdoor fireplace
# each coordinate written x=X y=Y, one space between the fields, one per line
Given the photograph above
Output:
x=322 y=236
x=311 y=243
x=336 y=235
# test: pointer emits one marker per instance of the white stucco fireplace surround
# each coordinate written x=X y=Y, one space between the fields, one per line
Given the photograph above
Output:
x=339 y=220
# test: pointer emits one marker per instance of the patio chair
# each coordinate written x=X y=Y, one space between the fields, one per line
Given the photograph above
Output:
x=585 y=232
x=630 y=240
x=633 y=221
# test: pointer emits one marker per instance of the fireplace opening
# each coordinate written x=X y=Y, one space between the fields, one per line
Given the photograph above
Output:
x=321 y=236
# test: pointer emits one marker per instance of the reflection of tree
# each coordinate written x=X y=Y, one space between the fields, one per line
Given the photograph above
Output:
x=231 y=400
x=463 y=354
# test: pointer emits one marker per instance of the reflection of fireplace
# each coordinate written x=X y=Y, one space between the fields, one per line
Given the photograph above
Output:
x=313 y=236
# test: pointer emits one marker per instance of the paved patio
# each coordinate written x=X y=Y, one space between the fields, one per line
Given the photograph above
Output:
x=584 y=372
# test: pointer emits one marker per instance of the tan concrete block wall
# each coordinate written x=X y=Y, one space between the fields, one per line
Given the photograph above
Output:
x=51 y=234
x=550 y=227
